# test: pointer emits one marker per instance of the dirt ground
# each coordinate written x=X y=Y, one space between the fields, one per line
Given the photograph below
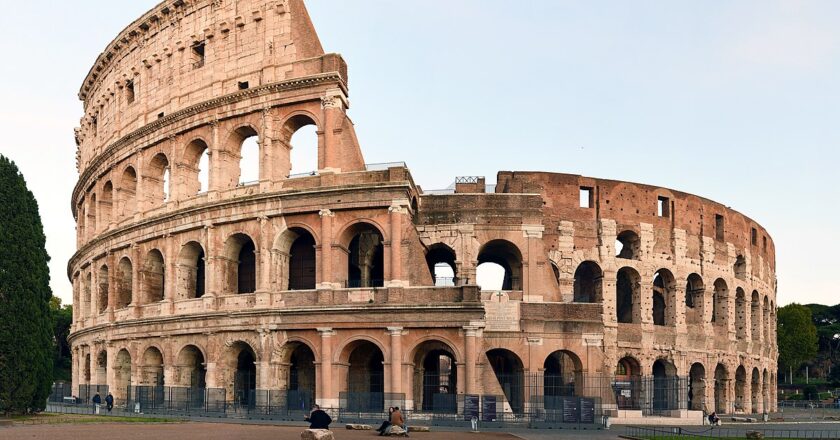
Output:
x=204 y=431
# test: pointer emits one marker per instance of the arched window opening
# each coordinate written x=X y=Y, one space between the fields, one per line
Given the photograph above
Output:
x=721 y=385
x=755 y=316
x=628 y=296
x=245 y=376
x=87 y=374
x=740 y=267
x=556 y=271
x=769 y=317
x=84 y=303
x=303 y=156
x=765 y=390
x=505 y=254
x=191 y=372
x=697 y=387
x=128 y=192
x=740 y=388
x=561 y=378
x=302 y=270
x=152 y=277
x=694 y=292
x=156 y=180
x=196 y=168
x=509 y=373
x=755 y=390
x=435 y=378
x=720 y=299
x=92 y=224
x=122 y=376
x=249 y=156
x=89 y=289
x=588 y=280
x=440 y=259
x=124 y=283
x=301 y=388
x=490 y=276
x=204 y=172
x=628 y=245
x=240 y=265
x=365 y=378
x=666 y=387
x=81 y=223
x=101 y=368
x=664 y=286
x=106 y=205
x=740 y=314
x=102 y=291
x=191 y=271
x=365 y=262
x=628 y=384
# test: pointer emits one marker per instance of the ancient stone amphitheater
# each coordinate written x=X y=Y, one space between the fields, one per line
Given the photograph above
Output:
x=352 y=287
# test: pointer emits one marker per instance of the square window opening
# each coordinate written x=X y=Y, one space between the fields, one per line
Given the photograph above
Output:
x=663 y=207
x=243 y=85
x=720 y=228
x=754 y=236
x=129 y=92
x=198 y=55
x=586 y=197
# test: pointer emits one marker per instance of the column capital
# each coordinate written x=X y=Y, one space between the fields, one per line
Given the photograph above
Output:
x=326 y=213
x=326 y=331
x=395 y=331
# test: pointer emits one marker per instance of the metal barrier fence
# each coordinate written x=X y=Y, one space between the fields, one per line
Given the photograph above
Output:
x=669 y=433
x=60 y=391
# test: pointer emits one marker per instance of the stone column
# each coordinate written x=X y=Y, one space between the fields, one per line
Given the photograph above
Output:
x=396 y=212
x=112 y=288
x=325 y=389
x=396 y=359
x=333 y=103
x=170 y=274
x=211 y=268
x=326 y=248
x=136 y=269
x=471 y=352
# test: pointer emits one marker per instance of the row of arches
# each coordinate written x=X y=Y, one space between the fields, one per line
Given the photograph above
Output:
x=189 y=170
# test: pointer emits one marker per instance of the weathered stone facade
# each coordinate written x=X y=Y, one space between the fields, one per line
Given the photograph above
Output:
x=326 y=282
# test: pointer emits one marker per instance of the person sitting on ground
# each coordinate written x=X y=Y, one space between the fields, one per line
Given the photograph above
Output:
x=714 y=420
x=397 y=419
x=318 y=419
x=384 y=426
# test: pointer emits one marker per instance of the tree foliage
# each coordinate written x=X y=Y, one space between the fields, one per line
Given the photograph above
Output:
x=26 y=336
x=797 y=336
x=62 y=317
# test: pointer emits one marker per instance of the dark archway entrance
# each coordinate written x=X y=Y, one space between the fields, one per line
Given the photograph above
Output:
x=509 y=373
x=301 y=390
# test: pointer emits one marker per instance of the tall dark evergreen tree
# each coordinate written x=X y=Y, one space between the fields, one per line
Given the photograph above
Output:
x=26 y=342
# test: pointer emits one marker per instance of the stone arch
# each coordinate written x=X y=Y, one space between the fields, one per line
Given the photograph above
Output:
x=697 y=387
x=588 y=284
x=106 y=204
x=765 y=390
x=128 y=192
x=92 y=216
x=740 y=388
x=239 y=264
x=365 y=261
x=441 y=260
x=509 y=371
x=740 y=314
x=755 y=390
x=86 y=369
x=191 y=277
x=769 y=317
x=628 y=380
x=506 y=256
x=628 y=297
x=87 y=296
x=191 y=367
x=102 y=288
x=297 y=373
x=125 y=285
x=740 y=267
x=301 y=162
x=666 y=386
x=294 y=259
x=562 y=377
x=721 y=389
x=244 y=143
x=695 y=291
x=755 y=316
x=720 y=303
x=102 y=367
x=195 y=167
x=122 y=375
x=664 y=297
x=152 y=277
x=240 y=373
x=363 y=378
x=156 y=180
x=435 y=376
x=628 y=245
x=151 y=367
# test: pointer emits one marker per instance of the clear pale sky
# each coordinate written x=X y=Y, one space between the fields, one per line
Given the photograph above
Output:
x=736 y=101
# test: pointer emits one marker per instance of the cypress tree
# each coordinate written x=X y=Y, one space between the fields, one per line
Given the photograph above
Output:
x=26 y=344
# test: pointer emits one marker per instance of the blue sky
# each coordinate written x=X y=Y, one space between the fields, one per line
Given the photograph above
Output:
x=736 y=101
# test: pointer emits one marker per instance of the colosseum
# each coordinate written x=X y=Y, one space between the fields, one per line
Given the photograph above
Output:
x=197 y=287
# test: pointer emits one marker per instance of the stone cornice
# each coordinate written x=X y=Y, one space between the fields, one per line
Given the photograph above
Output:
x=298 y=83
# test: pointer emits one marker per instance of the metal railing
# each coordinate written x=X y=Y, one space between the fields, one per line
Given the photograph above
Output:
x=669 y=433
x=384 y=166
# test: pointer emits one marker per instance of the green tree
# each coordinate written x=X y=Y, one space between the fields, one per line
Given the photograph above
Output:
x=62 y=318
x=797 y=336
x=26 y=327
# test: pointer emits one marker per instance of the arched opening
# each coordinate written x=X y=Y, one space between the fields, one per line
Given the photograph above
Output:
x=588 y=282
x=124 y=283
x=87 y=300
x=765 y=391
x=435 y=378
x=697 y=387
x=441 y=261
x=509 y=373
x=87 y=369
x=303 y=145
x=152 y=277
x=240 y=265
x=720 y=299
x=106 y=203
x=151 y=371
x=561 y=377
x=556 y=272
x=245 y=374
x=694 y=301
x=721 y=386
x=156 y=180
x=101 y=368
x=664 y=286
x=191 y=369
x=666 y=389
x=628 y=245
x=196 y=168
x=627 y=384
x=122 y=376
x=628 y=296
x=82 y=222
x=128 y=192
x=92 y=224
x=740 y=267
x=505 y=256
x=740 y=386
x=755 y=316
x=365 y=380
x=365 y=260
x=755 y=390
x=300 y=393
x=740 y=314
x=302 y=268
x=249 y=155
x=102 y=291
x=191 y=271
x=769 y=317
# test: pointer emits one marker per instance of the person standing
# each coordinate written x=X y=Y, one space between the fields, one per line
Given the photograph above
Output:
x=97 y=400
x=109 y=402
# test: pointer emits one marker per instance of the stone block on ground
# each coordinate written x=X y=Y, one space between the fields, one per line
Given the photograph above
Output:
x=317 y=434
x=419 y=429
x=358 y=427
x=395 y=431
